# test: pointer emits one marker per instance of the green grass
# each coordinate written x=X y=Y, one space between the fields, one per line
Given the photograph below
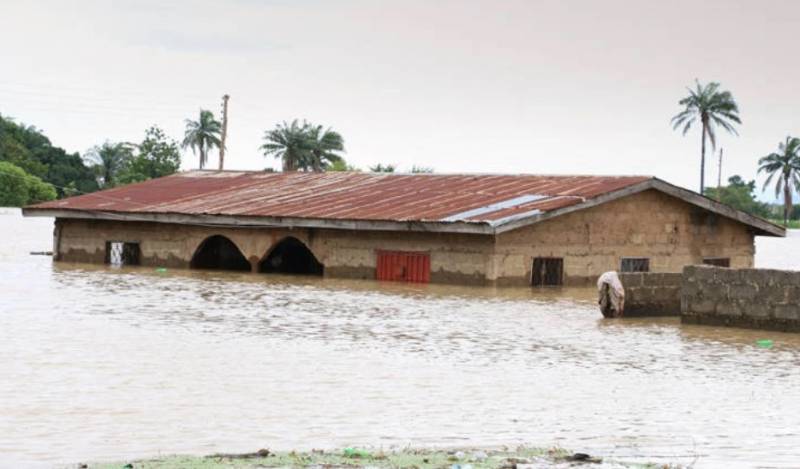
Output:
x=408 y=458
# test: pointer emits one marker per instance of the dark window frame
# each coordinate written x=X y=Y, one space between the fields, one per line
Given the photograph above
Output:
x=717 y=261
x=634 y=264
x=130 y=253
x=547 y=271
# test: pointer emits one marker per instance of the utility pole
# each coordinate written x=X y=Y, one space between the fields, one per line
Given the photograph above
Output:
x=224 y=131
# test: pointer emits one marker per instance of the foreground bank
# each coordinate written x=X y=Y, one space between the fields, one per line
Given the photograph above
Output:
x=520 y=458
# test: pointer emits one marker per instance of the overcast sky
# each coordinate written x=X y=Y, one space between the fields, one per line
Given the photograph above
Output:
x=559 y=86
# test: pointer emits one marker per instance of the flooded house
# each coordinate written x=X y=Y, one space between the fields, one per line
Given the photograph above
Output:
x=465 y=229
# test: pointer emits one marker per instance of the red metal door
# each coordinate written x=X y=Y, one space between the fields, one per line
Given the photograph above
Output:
x=399 y=266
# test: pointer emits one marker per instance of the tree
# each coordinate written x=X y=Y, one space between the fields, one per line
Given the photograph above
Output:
x=203 y=135
x=157 y=156
x=342 y=165
x=712 y=108
x=18 y=188
x=288 y=142
x=27 y=148
x=13 y=186
x=108 y=160
x=303 y=146
x=383 y=168
x=324 y=147
x=421 y=169
x=739 y=195
x=786 y=164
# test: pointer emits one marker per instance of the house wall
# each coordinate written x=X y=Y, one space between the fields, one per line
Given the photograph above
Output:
x=668 y=231
x=455 y=258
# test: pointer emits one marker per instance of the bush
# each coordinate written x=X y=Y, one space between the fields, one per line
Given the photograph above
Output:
x=18 y=188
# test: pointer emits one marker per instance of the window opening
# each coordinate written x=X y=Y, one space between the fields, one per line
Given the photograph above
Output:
x=635 y=264
x=120 y=253
x=547 y=271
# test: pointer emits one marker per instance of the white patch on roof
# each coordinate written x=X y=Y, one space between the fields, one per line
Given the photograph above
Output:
x=523 y=199
x=510 y=218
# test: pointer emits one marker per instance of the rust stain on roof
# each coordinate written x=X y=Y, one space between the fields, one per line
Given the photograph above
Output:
x=349 y=195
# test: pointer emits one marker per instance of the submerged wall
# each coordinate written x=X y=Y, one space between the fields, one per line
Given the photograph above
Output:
x=755 y=298
x=454 y=258
x=652 y=294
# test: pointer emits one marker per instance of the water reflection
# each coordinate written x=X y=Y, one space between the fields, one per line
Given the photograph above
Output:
x=105 y=363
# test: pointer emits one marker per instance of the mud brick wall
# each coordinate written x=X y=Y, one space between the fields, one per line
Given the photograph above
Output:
x=652 y=294
x=668 y=231
x=754 y=298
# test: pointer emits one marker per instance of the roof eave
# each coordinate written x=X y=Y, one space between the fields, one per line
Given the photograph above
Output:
x=241 y=221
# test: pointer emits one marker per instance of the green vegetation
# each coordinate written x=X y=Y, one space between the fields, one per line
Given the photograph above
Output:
x=157 y=156
x=33 y=170
x=18 y=188
x=342 y=165
x=27 y=148
x=304 y=146
x=786 y=164
x=357 y=458
x=203 y=135
x=421 y=169
x=740 y=195
x=107 y=160
x=712 y=108
x=383 y=168
x=123 y=163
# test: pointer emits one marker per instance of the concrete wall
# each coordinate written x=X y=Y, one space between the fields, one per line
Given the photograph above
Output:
x=755 y=298
x=669 y=231
x=652 y=294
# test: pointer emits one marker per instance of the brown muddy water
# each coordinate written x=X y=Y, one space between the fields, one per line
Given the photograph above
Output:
x=105 y=364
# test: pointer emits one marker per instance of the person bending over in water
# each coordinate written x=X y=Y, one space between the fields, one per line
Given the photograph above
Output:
x=611 y=295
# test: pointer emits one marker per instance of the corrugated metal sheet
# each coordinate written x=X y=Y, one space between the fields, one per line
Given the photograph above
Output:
x=349 y=196
x=403 y=266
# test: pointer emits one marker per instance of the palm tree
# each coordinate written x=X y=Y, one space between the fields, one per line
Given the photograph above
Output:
x=786 y=164
x=324 y=147
x=203 y=135
x=289 y=143
x=713 y=108
x=107 y=160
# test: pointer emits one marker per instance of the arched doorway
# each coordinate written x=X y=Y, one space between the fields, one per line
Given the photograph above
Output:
x=291 y=256
x=219 y=252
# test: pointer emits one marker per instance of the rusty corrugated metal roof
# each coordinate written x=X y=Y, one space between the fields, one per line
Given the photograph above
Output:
x=488 y=199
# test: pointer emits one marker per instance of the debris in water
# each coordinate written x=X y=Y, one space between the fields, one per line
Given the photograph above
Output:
x=161 y=269
x=41 y=253
x=355 y=453
x=764 y=343
x=262 y=453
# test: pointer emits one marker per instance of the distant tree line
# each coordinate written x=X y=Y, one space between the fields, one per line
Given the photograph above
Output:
x=33 y=170
x=27 y=149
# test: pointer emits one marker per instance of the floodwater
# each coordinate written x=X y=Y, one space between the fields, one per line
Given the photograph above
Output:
x=108 y=364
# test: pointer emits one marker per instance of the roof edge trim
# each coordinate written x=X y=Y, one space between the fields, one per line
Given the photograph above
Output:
x=762 y=226
x=265 y=222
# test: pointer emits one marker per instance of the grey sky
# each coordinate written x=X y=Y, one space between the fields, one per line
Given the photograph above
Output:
x=462 y=86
